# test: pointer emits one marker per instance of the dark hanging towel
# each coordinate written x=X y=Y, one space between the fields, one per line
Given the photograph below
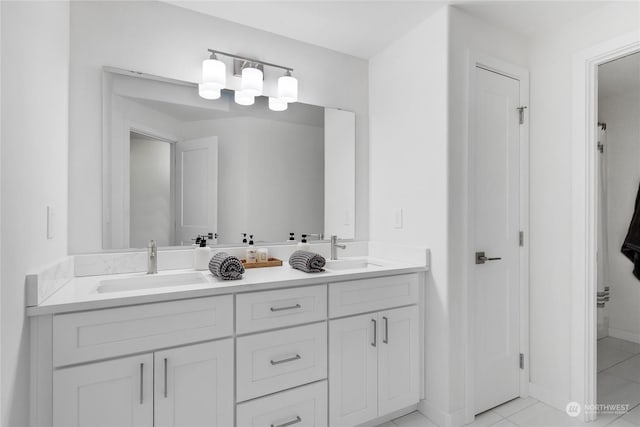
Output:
x=631 y=245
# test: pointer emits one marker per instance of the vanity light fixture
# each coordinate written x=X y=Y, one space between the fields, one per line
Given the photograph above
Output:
x=251 y=83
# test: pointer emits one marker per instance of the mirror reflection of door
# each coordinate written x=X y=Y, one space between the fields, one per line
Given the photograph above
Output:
x=152 y=213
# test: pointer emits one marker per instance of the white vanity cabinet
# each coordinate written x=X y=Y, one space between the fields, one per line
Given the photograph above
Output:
x=183 y=386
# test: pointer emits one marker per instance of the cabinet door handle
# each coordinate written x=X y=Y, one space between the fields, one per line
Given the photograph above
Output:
x=141 y=383
x=291 y=307
x=288 y=423
x=290 y=359
x=165 y=377
x=375 y=333
x=386 y=330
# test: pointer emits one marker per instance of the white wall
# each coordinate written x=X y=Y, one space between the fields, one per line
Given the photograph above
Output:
x=550 y=191
x=150 y=197
x=467 y=35
x=34 y=173
x=173 y=44
x=621 y=113
x=408 y=137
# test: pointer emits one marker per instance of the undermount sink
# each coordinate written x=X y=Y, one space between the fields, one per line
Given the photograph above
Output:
x=150 y=282
x=348 y=264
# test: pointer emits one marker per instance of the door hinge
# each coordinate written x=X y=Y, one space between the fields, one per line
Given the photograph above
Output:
x=521 y=361
x=521 y=238
x=521 y=113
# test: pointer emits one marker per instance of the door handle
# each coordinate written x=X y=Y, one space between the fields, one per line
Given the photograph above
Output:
x=385 y=339
x=165 y=378
x=142 y=383
x=374 y=343
x=481 y=258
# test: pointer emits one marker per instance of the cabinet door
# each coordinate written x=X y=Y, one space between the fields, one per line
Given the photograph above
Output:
x=398 y=359
x=113 y=393
x=353 y=370
x=194 y=385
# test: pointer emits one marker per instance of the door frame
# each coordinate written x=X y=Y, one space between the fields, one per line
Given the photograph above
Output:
x=521 y=74
x=584 y=213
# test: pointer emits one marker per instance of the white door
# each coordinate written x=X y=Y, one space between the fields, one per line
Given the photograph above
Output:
x=398 y=359
x=194 y=385
x=196 y=188
x=113 y=393
x=494 y=210
x=353 y=370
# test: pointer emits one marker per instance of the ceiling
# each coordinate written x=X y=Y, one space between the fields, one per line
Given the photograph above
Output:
x=363 y=28
x=357 y=28
x=619 y=77
x=529 y=19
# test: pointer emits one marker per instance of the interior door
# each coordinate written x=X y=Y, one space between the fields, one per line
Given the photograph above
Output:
x=353 y=370
x=494 y=209
x=398 y=359
x=114 y=393
x=194 y=385
x=196 y=188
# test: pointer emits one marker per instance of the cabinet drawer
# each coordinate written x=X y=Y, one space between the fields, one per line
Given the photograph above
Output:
x=99 y=334
x=273 y=309
x=304 y=406
x=274 y=361
x=359 y=296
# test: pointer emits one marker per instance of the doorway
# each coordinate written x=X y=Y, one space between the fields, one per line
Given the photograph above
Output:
x=618 y=226
x=498 y=218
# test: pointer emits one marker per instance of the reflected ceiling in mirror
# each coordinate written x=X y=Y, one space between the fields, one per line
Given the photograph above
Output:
x=177 y=166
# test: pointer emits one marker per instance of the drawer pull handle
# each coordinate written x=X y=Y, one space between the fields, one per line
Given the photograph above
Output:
x=142 y=383
x=165 y=377
x=386 y=330
x=374 y=343
x=288 y=423
x=290 y=359
x=291 y=307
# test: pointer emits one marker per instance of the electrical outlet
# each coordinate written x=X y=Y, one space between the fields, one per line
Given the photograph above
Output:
x=49 y=222
x=397 y=218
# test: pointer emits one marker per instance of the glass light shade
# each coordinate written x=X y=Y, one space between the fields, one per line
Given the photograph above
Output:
x=243 y=98
x=252 y=81
x=277 y=104
x=288 y=89
x=214 y=73
x=208 y=91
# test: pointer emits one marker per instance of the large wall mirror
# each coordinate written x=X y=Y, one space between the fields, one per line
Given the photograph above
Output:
x=176 y=166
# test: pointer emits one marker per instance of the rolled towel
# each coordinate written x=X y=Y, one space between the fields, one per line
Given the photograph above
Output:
x=306 y=261
x=226 y=267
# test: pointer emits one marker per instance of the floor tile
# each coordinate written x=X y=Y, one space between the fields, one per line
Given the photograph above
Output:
x=414 y=419
x=629 y=369
x=388 y=424
x=541 y=415
x=616 y=390
x=486 y=419
x=513 y=406
x=609 y=356
x=504 y=423
x=633 y=416
x=621 y=422
x=628 y=346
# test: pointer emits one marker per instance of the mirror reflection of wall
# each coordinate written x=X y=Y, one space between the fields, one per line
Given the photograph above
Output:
x=196 y=167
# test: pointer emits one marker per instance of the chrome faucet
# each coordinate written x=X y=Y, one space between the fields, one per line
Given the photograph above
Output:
x=152 y=259
x=335 y=246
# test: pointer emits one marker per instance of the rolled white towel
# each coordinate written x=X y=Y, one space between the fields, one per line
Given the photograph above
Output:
x=226 y=266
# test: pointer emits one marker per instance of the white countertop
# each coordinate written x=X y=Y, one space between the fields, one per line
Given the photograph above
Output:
x=81 y=293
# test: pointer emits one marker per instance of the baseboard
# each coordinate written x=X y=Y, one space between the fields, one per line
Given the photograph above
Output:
x=441 y=418
x=624 y=335
x=549 y=396
x=389 y=417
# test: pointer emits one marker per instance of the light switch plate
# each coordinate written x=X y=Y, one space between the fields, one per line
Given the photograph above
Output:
x=397 y=218
x=49 y=222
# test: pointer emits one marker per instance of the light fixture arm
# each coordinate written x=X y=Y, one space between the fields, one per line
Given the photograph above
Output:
x=244 y=58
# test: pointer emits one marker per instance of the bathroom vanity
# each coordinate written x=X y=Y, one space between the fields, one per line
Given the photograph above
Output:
x=277 y=348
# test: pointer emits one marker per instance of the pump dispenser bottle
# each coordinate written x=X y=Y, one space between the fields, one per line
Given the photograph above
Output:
x=303 y=245
x=201 y=255
x=251 y=251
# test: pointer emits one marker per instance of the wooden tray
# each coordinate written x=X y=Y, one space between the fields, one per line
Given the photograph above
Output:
x=272 y=262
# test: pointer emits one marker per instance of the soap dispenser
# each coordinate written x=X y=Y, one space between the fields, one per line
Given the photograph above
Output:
x=201 y=255
x=291 y=238
x=244 y=238
x=251 y=251
x=303 y=245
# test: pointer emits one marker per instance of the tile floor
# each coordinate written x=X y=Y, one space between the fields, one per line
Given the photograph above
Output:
x=618 y=382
